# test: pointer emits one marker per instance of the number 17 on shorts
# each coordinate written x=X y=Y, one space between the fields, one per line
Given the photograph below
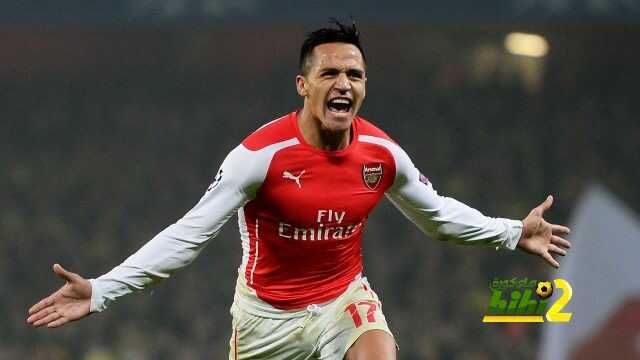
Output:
x=368 y=305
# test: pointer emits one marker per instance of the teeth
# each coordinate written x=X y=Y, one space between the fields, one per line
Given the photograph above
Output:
x=339 y=104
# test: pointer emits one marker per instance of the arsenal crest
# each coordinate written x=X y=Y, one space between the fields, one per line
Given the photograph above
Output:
x=372 y=174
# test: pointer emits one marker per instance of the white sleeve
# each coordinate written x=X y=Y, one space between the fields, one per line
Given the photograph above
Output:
x=442 y=217
x=240 y=175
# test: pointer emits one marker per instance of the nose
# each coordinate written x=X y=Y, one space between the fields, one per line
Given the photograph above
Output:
x=342 y=83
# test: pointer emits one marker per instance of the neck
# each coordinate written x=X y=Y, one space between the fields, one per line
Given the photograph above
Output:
x=317 y=136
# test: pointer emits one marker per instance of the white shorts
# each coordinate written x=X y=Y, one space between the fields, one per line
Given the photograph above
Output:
x=323 y=331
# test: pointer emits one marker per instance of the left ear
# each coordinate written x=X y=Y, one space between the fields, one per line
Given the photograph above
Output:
x=301 y=85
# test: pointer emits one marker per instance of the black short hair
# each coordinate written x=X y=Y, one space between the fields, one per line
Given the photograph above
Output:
x=343 y=34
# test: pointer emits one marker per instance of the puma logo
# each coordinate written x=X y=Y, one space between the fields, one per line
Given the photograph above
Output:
x=289 y=176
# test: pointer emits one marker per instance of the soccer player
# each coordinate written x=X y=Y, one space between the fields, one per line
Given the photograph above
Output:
x=303 y=186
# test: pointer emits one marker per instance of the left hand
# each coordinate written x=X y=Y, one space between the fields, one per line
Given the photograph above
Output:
x=71 y=302
x=541 y=238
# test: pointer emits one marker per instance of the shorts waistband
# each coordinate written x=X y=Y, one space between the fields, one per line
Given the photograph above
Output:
x=246 y=299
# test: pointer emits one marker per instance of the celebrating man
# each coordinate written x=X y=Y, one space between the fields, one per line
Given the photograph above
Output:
x=303 y=186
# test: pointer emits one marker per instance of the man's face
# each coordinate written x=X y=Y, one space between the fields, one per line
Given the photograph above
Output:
x=334 y=86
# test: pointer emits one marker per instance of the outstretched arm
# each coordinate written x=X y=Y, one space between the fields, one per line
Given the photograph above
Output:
x=172 y=249
x=445 y=218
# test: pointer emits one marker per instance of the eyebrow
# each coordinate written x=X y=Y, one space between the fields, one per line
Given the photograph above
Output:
x=333 y=70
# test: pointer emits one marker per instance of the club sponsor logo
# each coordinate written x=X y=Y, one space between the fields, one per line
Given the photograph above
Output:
x=372 y=175
x=330 y=225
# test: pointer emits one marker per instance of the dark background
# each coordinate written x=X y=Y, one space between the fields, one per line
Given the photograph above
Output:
x=113 y=123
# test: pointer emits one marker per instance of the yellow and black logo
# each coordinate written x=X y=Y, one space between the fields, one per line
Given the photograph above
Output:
x=512 y=300
x=544 y=289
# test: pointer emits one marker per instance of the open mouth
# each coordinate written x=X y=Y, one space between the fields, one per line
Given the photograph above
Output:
x=339 y=105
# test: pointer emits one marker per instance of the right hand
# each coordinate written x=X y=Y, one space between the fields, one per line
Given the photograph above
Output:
x=71 y=302
x=542 y=238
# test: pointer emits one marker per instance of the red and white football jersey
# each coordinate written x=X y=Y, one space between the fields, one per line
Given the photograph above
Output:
x=301 y=213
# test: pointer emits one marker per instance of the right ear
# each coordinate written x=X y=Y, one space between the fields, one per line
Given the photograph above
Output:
x=301 y=86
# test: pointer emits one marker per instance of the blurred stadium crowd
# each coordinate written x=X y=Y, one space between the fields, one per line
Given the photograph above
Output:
x=103 y=149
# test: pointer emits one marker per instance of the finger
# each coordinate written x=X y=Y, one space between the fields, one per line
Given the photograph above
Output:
x=550 y=260
x=47 y=319
x=41 y=314
x=545 y=205
x=556 y=250
x=57 y=323
x=48 y=301
x=557 y=240
x=560 y=230
x=63 y=273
